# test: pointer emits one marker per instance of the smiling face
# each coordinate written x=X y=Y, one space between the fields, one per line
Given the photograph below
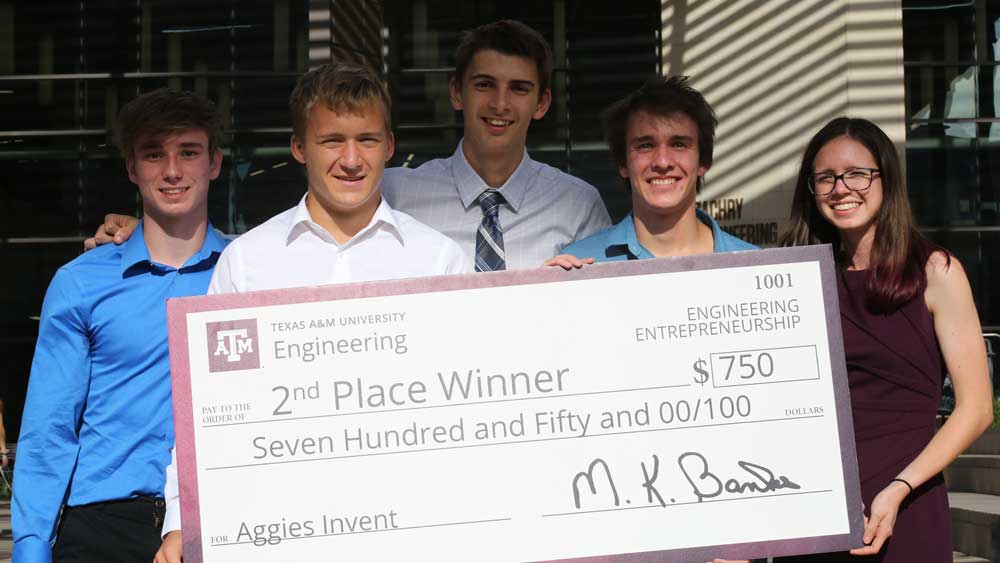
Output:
x=345 y=155
x=499 y=96
x=850 y=212
x=662 y=163
x=173 y=173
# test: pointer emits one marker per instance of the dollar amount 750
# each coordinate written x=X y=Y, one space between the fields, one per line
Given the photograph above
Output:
x=757 y=367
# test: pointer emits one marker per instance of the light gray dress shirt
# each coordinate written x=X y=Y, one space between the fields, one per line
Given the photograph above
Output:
x=544 y=208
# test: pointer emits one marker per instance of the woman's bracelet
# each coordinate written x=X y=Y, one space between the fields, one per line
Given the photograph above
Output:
x=905 y=482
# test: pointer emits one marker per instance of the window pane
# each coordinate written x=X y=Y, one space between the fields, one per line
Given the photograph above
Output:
x=935 y=31
x=22 y=288
x=942 y=92
x=950 y=178
x=942 y=176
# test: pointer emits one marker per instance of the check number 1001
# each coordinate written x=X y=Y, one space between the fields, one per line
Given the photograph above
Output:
x=773 y=281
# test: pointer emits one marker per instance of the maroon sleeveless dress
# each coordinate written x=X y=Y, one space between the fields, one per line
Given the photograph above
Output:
x=895 y=371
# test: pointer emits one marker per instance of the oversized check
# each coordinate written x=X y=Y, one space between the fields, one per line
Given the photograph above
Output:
x=661 y=410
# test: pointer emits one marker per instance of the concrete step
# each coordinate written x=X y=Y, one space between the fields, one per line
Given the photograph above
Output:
x=975 y=524
x=959 y=557
x=987 y=444
x=974 y=473
x=6 y=541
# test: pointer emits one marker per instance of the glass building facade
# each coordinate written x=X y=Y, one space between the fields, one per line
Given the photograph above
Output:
x=951 y=55
x=67 y=68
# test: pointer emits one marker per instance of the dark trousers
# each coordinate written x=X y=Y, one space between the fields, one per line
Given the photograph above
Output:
x=125 y=531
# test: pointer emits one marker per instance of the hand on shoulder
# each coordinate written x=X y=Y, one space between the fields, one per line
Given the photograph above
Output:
x=116 y=228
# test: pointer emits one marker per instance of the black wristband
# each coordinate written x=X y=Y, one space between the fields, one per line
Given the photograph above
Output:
x=905 y=482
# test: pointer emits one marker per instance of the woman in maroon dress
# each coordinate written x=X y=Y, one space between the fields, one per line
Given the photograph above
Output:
x=908 y=318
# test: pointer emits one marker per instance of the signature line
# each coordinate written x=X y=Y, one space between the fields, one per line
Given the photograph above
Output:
x=684 y=503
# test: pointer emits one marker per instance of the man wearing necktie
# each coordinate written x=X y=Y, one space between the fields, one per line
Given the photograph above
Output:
x=489 y=237
x=505 y=210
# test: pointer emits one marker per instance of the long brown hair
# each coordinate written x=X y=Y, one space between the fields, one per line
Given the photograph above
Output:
x=899 y=252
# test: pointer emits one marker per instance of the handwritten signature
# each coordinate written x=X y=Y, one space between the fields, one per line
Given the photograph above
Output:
x=705 y=482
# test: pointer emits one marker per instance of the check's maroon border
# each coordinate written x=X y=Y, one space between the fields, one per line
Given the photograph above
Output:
x=179 y=308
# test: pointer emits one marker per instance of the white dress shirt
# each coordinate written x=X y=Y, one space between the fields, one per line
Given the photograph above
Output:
x=291 y=250
x=544 y=208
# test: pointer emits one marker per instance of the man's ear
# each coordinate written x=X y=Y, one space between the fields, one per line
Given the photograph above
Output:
x=391 y=139
x=544 y=101
x=455 y=90
x=130 y=168
x=216 y=162
x=298 y=153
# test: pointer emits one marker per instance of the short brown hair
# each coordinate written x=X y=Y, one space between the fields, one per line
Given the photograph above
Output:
x=163 y=112
x=663 y=97
x=339 y=86
x=508 y=37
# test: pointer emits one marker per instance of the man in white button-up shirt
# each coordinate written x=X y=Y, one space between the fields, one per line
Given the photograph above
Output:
x=342 y=230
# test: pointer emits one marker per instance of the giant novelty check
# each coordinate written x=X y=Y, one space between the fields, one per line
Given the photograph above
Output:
x=661 y=410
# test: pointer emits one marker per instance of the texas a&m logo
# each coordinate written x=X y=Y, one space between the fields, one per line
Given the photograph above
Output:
x=233 y=345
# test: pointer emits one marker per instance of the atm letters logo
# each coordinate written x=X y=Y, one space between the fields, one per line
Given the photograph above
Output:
x=233 y=345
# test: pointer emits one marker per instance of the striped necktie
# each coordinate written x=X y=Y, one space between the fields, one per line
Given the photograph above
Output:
x=489 y=239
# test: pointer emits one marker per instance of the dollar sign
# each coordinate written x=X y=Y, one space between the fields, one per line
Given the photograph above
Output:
x=699 y=368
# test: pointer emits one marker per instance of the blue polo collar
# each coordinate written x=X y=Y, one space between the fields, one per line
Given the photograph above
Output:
x=623 y=234
x=134 y=250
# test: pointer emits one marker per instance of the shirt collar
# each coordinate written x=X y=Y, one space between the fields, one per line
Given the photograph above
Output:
x=300 y=222
x=471 y=185
x=623 y=234
x=710 y=223
x=134 y=250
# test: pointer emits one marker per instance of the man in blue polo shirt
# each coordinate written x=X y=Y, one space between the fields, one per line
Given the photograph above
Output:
x=661 y=137
x=98 y=421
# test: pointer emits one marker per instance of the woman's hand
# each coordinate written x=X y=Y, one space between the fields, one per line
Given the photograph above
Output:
x=878 y=526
